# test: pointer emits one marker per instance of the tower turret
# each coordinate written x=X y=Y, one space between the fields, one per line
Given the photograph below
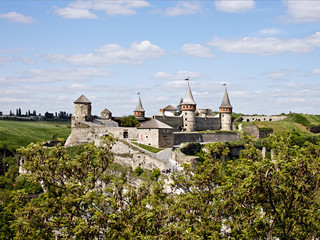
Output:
x=139 y=111
x=188 y=108
x=225 y=111
x=82 y=111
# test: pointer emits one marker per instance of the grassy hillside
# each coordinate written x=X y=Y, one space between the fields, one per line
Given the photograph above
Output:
x=21 y=133
x=304 y=119
x=294 y=122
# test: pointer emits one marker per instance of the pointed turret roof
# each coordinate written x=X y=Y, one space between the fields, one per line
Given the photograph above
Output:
x=225 y=101
x=188 y=99
x=139 y=107
x=82 y=99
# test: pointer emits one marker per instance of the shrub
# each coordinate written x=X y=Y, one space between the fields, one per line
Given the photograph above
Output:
x=138 y=171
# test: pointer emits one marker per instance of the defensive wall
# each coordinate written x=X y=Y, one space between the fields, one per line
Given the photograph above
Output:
x=88 y=132
x=173 y=121
x=207 y=123
x=219 y=136
x=260 y=118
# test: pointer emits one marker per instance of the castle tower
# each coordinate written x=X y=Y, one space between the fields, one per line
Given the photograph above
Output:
x=82 y=111
x=188 y=108
x=106 y=114
x=225 y=111
x=139 y=111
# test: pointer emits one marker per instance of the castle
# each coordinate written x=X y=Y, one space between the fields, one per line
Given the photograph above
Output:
x=162 y=131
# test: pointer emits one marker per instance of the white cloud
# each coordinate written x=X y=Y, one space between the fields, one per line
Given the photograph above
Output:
x=98 y=88
x=5 y=60
x=197 y=50
x=16 y=17
x=269 y=31
x=114 y=8
x=267 y=46
x=62 y=74
x=84 y=9
x=316 y=71
x=276 y=75
x=111 y=54
x=303 y=11
x=184 y=8
x=314 y=39
x=179 y=76
x=235 y=6
x=75 y=13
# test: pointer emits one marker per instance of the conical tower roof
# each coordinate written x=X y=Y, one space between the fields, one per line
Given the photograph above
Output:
x=139 y=107
x=188 y=99
x=225 y=101
x=82 y=99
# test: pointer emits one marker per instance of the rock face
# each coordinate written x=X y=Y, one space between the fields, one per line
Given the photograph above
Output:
x=191 y=149
x=258 y=132
x=314 y=129
x=130 y=155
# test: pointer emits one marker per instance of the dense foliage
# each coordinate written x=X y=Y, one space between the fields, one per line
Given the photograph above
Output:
x=129 y=121
x=249 y=197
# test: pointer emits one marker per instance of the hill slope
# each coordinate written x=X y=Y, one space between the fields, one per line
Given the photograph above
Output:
x=294 y=122
x=20 y=133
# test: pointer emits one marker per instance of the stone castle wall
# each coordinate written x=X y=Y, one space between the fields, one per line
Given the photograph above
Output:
x=205 y=137
x=131 y=156
x=261 y=118
x=207 y=123
x=173 y=121
x=201 y=123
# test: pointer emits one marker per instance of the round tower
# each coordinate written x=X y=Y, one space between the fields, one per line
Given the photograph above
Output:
x=188 y=108
x=139 y=111
x=82 y=111
x=225 y=112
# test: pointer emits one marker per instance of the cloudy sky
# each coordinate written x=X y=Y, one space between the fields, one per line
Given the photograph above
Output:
x=268 y=52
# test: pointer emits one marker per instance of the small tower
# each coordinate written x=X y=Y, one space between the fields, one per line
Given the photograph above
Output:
x=139 y=111
x=82 y=111
x=225 y=111
x=106 y=114
x=188 y=108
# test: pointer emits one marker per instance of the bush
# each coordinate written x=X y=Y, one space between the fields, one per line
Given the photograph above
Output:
x=138 y=171
x=155 y=174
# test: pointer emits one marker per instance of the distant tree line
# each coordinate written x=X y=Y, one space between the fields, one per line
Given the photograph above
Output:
x=62 y=115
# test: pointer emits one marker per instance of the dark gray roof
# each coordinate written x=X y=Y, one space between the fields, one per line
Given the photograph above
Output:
x=188 y=99
x=106 y=110
x=170 y=108
x=155 y=124
x=139 y=107
x=225 y=101
x=82 y=99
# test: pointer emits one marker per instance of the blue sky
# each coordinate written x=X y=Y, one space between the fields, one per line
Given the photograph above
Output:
x=268 y=52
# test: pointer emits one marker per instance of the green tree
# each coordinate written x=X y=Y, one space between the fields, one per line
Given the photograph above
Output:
x=251 y=197
x=273 y=197
x=73 y=204
x=129 y=121
x=178 y=112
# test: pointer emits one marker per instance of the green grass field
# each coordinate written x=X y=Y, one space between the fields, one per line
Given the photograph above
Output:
x=20 y=133
x=294 y=122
